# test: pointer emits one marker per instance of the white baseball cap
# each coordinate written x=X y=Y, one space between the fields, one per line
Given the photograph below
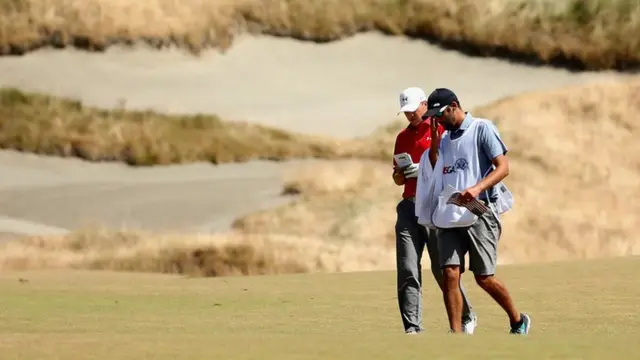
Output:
x=410 y=99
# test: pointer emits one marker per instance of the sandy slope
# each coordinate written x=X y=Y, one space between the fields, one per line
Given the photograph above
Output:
x=343 y=89
x=49 y=195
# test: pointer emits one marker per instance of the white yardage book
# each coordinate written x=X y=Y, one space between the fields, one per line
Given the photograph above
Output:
x=403 y=160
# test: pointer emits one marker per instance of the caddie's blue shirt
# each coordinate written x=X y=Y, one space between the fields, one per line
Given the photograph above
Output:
x=490 y=145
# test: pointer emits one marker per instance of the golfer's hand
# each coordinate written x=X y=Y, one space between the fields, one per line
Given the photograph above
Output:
x=411 y=171
x=469 y=194
x=398 y=177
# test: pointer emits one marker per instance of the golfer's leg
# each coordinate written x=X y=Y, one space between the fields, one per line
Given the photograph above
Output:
x=483 y=254
x=409 y=271
x=436 y=270
x=452 y=247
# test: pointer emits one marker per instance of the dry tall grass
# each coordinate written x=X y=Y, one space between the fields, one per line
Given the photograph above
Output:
x=579 y=33
x=575 y=161
x=193 y=255
x=340 y=202
x=47 y=125
x=575 y=164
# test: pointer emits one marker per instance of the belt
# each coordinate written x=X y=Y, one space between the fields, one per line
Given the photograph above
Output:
x=491 y=201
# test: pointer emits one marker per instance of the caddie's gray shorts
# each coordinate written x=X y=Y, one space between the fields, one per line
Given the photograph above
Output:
x=480 y=240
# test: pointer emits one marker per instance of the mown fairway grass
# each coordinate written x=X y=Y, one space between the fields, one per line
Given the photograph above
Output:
x=584 y=310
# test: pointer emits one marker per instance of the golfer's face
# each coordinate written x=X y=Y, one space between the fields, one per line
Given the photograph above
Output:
x=416 y=116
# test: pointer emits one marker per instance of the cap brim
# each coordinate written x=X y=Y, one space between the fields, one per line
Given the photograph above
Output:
x=432 y=112
x=409 y=108
x=435 y=111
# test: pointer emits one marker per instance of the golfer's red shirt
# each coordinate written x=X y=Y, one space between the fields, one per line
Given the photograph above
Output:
x=414 y=140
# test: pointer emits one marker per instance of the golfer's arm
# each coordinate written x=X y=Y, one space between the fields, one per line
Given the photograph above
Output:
x=501 y=162
x=398 y=176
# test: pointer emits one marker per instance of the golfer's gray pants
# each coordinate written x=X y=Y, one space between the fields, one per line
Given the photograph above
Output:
x=411 y=239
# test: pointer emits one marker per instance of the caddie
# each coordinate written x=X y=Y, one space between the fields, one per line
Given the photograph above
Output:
x=472 y=160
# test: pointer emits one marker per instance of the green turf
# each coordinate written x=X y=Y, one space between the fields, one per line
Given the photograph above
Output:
x=580 y=311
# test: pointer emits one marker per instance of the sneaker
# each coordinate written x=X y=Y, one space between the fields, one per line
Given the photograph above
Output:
x=469 y=326
x=411 y=332
x=523 y=329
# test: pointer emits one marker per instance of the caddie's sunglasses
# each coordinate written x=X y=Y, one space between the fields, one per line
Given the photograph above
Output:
x=442 y=110
x=438 y=114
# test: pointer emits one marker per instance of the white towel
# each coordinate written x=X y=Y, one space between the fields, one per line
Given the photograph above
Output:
x=427 y=190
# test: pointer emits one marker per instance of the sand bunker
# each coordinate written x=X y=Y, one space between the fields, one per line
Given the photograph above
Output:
x=69 y=194
x=345 y=88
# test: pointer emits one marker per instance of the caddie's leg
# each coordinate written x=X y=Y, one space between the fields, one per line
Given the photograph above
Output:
x=436 y=270
x=409 y=248
x=452 y=245
x=483 y=254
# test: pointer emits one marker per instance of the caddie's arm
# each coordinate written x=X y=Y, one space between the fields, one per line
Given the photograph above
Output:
x=435 y=142
x=501 y=162
x=493 y=147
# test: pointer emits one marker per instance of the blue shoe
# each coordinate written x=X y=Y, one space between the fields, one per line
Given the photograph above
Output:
x=524 y=327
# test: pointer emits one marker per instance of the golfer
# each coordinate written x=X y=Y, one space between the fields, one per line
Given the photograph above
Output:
x=411 y=237
x=472 y=160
